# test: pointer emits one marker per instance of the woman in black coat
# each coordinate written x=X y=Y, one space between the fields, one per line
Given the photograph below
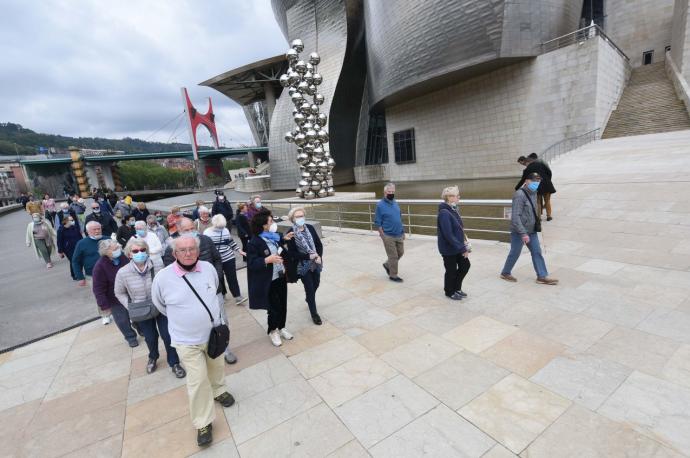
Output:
x=68 y=235
x=307 y=249
x=244 y=232
x=266 y=274
x=126 y=231
x=221 y=206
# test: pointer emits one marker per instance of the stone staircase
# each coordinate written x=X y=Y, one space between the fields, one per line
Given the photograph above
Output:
x=649 y=105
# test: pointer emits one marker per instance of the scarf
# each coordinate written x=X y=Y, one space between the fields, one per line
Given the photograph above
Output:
x=272 y=236
x=305 y=244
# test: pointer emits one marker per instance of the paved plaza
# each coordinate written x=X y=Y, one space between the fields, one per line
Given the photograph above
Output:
x=598 y=366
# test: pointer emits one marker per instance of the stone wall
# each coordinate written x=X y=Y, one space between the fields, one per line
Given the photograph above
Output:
x=640 y=25
x=479 y=127
x=680 y=38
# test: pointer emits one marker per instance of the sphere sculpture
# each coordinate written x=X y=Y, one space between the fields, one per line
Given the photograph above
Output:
x=310 y=134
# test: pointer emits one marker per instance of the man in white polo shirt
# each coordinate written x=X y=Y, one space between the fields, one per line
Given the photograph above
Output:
x=190 y=325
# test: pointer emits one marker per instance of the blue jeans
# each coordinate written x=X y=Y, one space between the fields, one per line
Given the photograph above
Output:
x=152 y=329
x=516 y=245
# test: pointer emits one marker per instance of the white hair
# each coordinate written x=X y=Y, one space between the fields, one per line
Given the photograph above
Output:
x=105 y=245
x=388 y=186
x=135 y=242
x=92 y=224
x=218 y=221
x=176 y=240
x=140 y=224
x=450 y=191
x=291 y=214
x=203 y=209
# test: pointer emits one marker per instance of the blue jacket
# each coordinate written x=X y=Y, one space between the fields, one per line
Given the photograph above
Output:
x=67 y=239
x=451 y=238
x=389 y=217
x=85 y=257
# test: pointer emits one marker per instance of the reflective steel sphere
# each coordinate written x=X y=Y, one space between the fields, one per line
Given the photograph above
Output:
x=312 y=167
x=310 y=135
x=323 y=166
x=291 y=55
x=305 y=108
x=289 y=138
x=323 y=136
x=322 y=119
x=318 y=98
x=314 y=108
x=285 y=80
x=315 y=185
x=299 y=118
x=314 y=58
x=303 y=86
x=317 y=78
x=322 y=192
x=310 y=67
x=300 y=139
x=308 y=148
x=331 y=191
x=300 y=67
x=297 y=45
x=293 y=76
x=303 y=185
x=309 y=195
x=308 y=77
x=302 y=158
x=305 y=175
x=331 y=163
x=311 y=90
x=307 y=125
x=319 y=176
x=299 y=193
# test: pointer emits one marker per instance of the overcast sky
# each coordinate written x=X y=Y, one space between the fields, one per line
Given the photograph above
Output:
x=113 y=69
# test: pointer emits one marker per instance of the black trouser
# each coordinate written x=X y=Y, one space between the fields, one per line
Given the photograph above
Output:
x=71 y=269
x=152 y=329
x=121 y=316
x=277 y=304
x=231 y=276
x=244 y=239
x=457 y=267
x=311 y=281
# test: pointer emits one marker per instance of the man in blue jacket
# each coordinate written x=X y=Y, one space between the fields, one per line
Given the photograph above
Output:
x=388 y=220
x=86 y=252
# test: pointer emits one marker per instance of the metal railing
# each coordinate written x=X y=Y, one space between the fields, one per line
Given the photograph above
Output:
x=569 y=144
x=488 y=218
x=580 y=36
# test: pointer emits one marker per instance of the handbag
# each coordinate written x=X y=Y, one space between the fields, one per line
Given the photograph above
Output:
x=144 y=310
x=219 y=337
x=468 y=244
x=537 y=220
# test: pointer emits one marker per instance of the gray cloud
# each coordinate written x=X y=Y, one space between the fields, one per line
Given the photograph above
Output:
x=114 y=69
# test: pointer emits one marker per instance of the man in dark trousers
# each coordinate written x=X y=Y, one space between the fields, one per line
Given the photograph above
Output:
x=535 y=165
x=106 y=221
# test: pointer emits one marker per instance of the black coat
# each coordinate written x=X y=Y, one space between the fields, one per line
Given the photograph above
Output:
x=544 y=171
x=296 y=255
x=223 y=208
x=208 y=253
x=260 y=274
x=243 y=229
x=124 y=233
x=108 y=224
x=140 y=215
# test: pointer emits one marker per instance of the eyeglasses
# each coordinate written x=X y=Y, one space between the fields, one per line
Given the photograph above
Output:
x=187 y=250
x=140 y=250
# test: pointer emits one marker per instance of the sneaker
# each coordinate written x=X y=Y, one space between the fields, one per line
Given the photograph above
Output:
x=455 y=296
x=105 y=320
x=547 y=281
x=285 y=334
x=508 y=277
x=275 y=338
x=317 y=320
x=388 y=271
x=225 y=399
x=230 y=357
x=49 y=265
x=133 y=343
x=178 y=371
x=240 y=299
x=462 y=294
x=151 y=366
x=548 y=218
x=204 y=436
x=396 y=279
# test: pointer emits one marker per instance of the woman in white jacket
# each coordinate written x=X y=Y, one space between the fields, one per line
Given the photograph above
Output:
x=152 y=241
x=41 y=236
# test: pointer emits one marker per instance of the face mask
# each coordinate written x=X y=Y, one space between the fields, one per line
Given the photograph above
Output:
x=273 y=228
x=299 y=221
x=141 y=232
x=96 y=210
x=130 y=223
x=257 y=205
x=186 y=267
x=453 y=204
x=194 y=233
x=140 y=257
x=221 y=198
x=390 y=196
x=159 y=219
x=533 y=186
x=117 y=253
x=95 y=237
x=37 y=220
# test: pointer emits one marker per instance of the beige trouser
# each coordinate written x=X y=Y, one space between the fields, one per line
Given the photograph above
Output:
x=204 y=382
x=394 y=250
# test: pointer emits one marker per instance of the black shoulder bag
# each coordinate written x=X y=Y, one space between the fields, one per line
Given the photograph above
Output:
x=537 y=220
x=219 y=337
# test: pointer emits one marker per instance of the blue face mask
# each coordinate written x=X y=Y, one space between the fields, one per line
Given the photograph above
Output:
x=95 y=237
x=533 y=186
x=140 y=257
x=117 y=253
x=300 y=221
x=257 y=205
x=130 y=223
x=141 y=233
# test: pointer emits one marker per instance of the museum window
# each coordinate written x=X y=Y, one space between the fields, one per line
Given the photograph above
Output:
x=377 y=141
x=647 y=57
x=403 y=144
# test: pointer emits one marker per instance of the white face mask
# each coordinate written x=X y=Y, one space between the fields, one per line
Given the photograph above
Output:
x=273 y=228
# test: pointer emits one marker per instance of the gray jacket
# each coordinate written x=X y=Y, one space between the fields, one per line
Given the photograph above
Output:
x=131 y=286
x=523 y=218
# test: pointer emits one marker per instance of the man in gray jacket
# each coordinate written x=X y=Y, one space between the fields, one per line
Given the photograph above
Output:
x=524 y=225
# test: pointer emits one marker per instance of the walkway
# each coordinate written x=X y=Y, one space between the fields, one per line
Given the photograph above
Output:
x=597 y=366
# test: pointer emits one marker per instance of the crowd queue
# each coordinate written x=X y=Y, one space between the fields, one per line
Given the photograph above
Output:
x=165 y=276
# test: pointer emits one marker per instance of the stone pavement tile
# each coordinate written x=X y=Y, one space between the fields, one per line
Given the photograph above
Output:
x=620 y=310
x=523 y=353
x=351 y=379
x=351 y=306
x=241 y=334
x=110 y=447
x=81 y=402
x=415 y=306
x=219 y=449
x=364 y=285
x=326 y=356
x=97 y=342
x=310 y=337
x=14 y=421
x=582 y=433
x=383 y=410
x=392 y=296
x=661 y=296
x=576 y=331
x=50 y=343
x=139 y=363
x=600 y=266
x=529 y=315
x=390 y=336
x=440 y=432
x=352 y=449
x=252 y=416
x=636 y=349
x=75 y=433
x=367 y=320
x=177 y=438
x=461 y=378
x=156 y=411
x=253 y=353
x=654 y=407
x=515 y=411
x=499 y=451
x=574 y=300
x=316 y=432
x=479 y=333
x=27 y=385
x=420 y=354
x=677 y=369
x=671 y=324
x=150 y=385
x=684 y=306
x=17 y=364
x=445 y=317
x=260 y=377
x=585 y=379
